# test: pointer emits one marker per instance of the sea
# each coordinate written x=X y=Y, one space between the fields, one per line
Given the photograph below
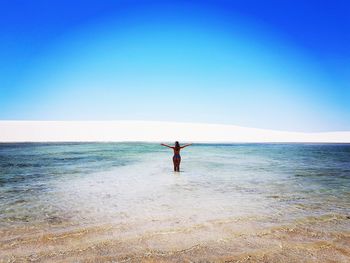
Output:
x=122 y=202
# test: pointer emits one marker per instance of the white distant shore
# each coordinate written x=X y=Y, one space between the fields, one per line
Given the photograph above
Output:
x=154 y=131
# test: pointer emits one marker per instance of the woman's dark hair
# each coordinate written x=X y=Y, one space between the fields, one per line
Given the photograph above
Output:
x=177 y=145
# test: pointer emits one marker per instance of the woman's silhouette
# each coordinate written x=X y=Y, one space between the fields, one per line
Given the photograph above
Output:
x=176 y=157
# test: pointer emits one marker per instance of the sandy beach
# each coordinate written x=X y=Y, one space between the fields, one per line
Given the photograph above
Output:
x=154 y=131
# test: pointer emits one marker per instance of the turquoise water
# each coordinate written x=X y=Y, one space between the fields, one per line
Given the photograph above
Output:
x=51 y=186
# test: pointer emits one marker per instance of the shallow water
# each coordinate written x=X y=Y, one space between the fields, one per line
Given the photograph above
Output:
x=122 y=202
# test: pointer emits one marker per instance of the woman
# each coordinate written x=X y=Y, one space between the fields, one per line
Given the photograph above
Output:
x=176 y=157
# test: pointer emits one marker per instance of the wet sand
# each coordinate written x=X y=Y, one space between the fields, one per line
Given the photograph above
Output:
x=322 y=239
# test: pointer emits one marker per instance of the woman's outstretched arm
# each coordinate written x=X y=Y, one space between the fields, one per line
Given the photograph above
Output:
x=166 y=145
x=186 y=145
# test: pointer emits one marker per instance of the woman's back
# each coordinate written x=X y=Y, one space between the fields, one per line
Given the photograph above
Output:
x=176 y=157
x=177 y=150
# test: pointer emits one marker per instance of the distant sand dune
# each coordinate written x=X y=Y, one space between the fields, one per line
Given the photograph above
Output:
x=58 y=131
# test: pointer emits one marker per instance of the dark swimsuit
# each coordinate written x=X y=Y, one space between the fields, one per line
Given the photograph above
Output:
x=177 y=156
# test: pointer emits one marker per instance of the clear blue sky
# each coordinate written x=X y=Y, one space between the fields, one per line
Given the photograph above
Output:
x=268 y=64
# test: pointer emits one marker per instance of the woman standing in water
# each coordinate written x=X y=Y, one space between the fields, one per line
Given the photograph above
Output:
x=176 y=157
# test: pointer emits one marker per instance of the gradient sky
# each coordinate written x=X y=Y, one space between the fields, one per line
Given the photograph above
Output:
x=267 y=64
